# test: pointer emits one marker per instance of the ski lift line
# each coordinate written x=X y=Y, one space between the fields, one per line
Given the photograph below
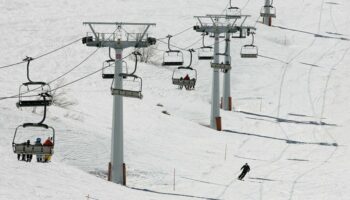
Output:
x=42 y=55
x=69 y=71
x=185 y=49
x=76 y=66
x=176 y=34
x=86 y=76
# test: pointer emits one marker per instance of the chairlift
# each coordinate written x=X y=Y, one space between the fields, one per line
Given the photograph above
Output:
x=108 y=69
x=172 y=57
x=222 y=66
x=268 y=11
x=31 y=132
x=185 y=76
x=31 y=93
x=205 y=52
x=233 y=11
x=249 y=50
x=21 y=144
x=132 y=84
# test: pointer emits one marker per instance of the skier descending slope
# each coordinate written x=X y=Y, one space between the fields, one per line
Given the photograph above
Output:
x=245 y=169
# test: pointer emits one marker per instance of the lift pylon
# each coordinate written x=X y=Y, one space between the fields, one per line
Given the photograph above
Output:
x=219 y=24
x=119 y=39
x=268 y=12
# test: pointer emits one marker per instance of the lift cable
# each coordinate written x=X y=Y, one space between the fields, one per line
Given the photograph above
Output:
x=176 y=34
x=67 y=84
x=86 y=76
x=64 y=74
x=45 y=54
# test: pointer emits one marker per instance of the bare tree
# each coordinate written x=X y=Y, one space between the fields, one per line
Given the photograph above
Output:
x=60 y=97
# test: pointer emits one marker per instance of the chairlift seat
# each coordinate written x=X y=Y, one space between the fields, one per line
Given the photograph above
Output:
x=33 y=103
x=32 y=149
x=205 y=57
x=222 y=66
x=172 y=63
x=107 y=76
x=127 y=93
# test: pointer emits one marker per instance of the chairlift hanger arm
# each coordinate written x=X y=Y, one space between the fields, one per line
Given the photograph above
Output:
x=191 y=51
x=28 y=59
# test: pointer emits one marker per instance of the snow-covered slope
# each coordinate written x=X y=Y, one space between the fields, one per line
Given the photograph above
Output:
x=300 y=80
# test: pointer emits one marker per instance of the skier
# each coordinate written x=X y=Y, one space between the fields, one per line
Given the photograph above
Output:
x=245 y=169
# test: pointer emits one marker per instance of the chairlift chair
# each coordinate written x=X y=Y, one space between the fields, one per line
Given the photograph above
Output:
x=172 y=57
x=233 y=11
x=268 y=11
x=36 y=130
x=205 y=52
x=179 y=79
x=108 y=68
x=30 y=95
x=34 y=93
x=131 y=85
x=185 y=76
x=249 y=50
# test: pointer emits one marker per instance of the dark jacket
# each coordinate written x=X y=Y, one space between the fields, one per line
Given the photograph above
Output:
x=245 y=168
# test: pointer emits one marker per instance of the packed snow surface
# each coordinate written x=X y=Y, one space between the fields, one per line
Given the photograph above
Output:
x=291 y=105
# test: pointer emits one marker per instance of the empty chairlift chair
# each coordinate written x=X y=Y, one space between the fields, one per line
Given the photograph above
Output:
x=185 y=76
x=205 y=52
x=31 y=93
x=249 y=50
x=108 y=68
x=172 y=57
x=131 y=84
x=233 y=11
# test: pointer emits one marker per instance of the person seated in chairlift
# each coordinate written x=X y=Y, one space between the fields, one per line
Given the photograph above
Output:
x=24 y=156
x=187 y=77
x=48 y=142
x=29 y=156
x=39 y=157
